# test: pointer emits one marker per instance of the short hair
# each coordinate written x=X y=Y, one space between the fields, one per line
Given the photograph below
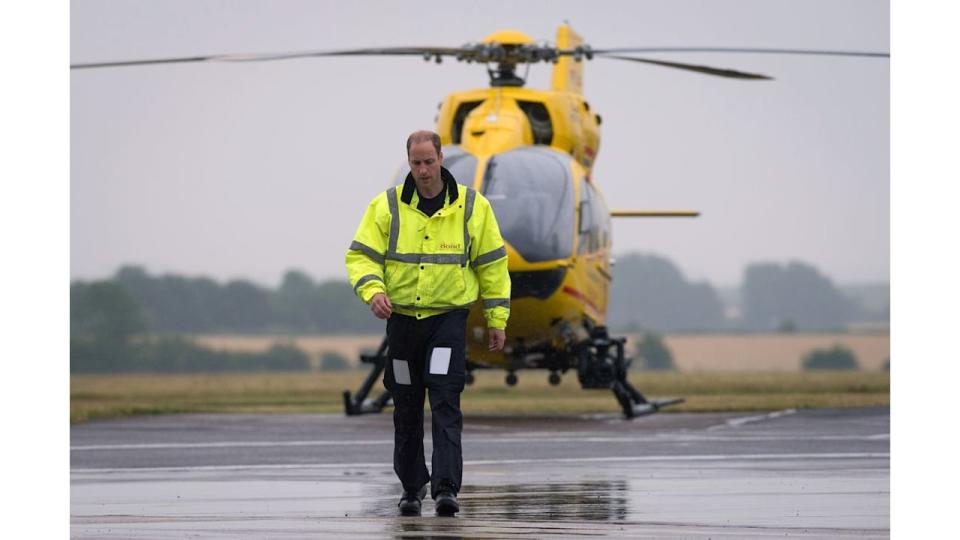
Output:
x=423 y=135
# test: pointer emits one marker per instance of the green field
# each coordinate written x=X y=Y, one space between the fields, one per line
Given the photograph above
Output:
x=104 y=396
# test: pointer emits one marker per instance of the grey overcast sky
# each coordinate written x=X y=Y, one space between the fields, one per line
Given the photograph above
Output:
x=247 y=170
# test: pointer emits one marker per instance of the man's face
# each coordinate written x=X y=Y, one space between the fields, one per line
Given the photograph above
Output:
x=425 y=164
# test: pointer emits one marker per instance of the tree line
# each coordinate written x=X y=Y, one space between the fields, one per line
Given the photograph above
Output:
x=173 y=303
x=134 y=321
x=648 y=292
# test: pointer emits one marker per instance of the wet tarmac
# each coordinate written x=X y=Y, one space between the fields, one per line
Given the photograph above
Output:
x=809 y=474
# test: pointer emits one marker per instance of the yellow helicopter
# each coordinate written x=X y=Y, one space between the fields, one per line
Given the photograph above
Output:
x=531 y=153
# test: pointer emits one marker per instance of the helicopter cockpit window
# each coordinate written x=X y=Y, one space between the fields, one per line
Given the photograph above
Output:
x=459 y=117
x=539 y=119
x=531 y=191
x=462 y=166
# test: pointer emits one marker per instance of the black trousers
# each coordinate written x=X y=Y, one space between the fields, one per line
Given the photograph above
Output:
x=427 y=356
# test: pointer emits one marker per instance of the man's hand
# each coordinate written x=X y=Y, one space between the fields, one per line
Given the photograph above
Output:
x=497 y=338
x=380 y=306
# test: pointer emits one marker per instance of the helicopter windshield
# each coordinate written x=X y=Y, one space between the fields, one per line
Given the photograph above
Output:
x=531 y=191
x=460 y=164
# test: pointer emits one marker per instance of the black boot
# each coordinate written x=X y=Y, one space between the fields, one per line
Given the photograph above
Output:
x=410 y=502
x=447 y=504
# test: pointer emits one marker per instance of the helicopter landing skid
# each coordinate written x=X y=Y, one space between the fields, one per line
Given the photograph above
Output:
x=634 y=403
x=359 y=404
x=603 y=364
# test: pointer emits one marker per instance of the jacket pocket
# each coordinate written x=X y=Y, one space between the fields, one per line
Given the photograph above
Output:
x=401 y=281
x=449 y=285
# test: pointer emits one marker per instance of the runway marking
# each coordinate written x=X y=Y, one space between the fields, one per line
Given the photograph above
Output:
x=735 y=422
x=486 y=440
x=706 y=457
x=615 y=459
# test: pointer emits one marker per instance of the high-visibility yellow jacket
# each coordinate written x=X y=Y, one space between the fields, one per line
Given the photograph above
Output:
x=430 y=265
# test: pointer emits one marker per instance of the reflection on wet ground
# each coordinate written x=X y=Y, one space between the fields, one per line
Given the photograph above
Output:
x=597 y=500
x=591 y=501
x=419 y=529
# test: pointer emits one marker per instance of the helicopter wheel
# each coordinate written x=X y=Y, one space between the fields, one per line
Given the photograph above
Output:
x=554 y=378
x=511 y=379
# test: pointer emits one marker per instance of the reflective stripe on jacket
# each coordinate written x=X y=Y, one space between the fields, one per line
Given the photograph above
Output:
x=429 y=265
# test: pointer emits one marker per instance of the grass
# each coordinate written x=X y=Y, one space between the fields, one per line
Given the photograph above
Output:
x=106 y=396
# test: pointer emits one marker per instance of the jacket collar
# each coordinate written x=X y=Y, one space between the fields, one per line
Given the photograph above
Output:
x=449 y=185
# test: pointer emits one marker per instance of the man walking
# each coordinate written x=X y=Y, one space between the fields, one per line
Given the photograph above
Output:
x=422 y=255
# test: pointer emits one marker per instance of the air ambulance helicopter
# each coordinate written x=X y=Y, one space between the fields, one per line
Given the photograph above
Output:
x=531 y=153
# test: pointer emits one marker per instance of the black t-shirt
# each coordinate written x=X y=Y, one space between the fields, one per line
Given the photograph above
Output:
x=429 y=206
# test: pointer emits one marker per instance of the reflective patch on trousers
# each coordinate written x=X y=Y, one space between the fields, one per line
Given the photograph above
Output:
x=440 y=361
x=401 y=371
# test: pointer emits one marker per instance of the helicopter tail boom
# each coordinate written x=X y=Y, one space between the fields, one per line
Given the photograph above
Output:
x=654 y=213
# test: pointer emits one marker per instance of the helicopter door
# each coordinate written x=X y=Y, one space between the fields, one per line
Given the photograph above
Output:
x=531 y=191
x=594 y=225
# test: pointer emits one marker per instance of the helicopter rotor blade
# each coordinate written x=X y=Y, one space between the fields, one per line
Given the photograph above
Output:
x=814 y=52
x=426 y=52
x=496 y=53
x=125 y=63
x=707 y=70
